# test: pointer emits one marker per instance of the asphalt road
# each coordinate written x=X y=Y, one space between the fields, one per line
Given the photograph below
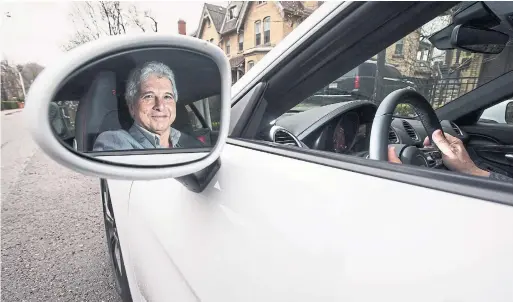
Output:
x=52 y=229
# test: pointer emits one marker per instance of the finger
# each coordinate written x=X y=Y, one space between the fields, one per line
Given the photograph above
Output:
x=392 y=157
x=441 y=142
x=452 y=139
x=426 y=142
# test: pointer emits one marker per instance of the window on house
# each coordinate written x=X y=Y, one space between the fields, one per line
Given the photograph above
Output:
x=267 y=30
x=258 y=35
x=241 y=42
x=227 y=47
x=231 y=12
x=251 y=64
x=261 y=2
x=211 y=40
x=208 y=22
x=399 y=47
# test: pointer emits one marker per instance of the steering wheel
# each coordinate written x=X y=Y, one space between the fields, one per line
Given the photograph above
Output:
x=408 y=154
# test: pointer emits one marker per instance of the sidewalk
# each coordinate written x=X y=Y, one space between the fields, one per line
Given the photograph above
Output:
x=11 y=111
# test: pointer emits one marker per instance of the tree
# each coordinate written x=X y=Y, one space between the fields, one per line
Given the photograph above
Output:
x=11 y=87
x=94 y=20
x=29 y=72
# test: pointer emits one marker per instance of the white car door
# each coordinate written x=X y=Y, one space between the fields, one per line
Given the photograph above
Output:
x=274 y=228
x=284 y=224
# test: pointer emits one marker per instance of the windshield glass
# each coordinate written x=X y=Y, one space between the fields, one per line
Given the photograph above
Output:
x=441 y=76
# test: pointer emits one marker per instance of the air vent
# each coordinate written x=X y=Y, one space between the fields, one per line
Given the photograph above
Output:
x=456 y=129
x=284 y=138
x=392 y=137
x=411 y=132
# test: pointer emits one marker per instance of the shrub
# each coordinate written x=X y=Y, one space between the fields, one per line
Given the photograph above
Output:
x=7 y=105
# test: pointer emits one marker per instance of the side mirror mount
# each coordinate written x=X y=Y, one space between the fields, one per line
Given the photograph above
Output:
x=478 y=40
x=131 y=121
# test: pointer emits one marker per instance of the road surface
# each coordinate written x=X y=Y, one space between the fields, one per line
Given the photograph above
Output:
x=52 y=229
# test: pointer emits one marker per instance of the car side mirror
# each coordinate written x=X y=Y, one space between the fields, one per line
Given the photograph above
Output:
x=131 y=99
x=478 y=40
x=509 y=113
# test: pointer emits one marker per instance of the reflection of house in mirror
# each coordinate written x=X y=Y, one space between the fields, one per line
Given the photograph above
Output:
x=248 y=30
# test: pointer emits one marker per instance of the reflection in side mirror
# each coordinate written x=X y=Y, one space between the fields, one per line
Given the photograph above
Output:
x=136 y=107
x=478 y=40
x=509 y=113
x=143 y=100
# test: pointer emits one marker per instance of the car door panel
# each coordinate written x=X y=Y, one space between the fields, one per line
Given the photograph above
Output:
x=275 y=228
x=489 y=144
x=503 y=133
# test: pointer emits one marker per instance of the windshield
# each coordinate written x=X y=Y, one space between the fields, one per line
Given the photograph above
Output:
x=441 y=76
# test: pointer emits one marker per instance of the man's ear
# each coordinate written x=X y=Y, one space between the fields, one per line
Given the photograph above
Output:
x=131 y=109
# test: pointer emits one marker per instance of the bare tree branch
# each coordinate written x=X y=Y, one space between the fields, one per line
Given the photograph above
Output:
x=154 y=27
x=105 y=18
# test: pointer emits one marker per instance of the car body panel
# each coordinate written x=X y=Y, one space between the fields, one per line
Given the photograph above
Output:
x=496 y=113
x=292 y=238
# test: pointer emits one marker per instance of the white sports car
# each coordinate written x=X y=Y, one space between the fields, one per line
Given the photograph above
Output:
x=291 y=196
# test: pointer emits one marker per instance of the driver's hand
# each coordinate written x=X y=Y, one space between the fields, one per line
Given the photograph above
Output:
x=392 y=157
x=454 y=154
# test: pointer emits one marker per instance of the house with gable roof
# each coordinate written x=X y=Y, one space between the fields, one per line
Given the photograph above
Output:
x=248 y=30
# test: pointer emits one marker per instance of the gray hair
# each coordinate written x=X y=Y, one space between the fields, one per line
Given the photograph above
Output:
x=141 y=73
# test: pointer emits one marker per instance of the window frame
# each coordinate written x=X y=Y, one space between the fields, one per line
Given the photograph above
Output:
x=399 y=51
x=251 y=64
x=460 y=184
x=231 y=12
x=258 y=33
x=240 y=43
x=267 y=33
x=227 y=47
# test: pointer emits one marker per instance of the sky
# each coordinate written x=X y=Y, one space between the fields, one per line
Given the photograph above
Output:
x=36 y=31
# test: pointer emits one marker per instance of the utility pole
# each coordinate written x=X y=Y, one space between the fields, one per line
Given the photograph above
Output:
x=378 y=79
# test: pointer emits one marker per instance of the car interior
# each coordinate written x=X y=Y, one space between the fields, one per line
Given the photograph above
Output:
x=102 y=105
x=341 y=124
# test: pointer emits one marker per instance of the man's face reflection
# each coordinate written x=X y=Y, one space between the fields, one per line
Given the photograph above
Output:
x=155 y=109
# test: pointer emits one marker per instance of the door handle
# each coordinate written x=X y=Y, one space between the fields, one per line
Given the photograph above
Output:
x=509 y=156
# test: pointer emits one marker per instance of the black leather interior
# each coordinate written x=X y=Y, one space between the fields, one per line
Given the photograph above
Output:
x=56 y=120
x=97 y=111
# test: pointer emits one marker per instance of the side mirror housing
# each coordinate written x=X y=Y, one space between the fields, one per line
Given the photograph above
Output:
x=132 y=93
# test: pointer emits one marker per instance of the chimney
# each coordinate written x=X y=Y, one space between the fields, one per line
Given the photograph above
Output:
x=182 y=27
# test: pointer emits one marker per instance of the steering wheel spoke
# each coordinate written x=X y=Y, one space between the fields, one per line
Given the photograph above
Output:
x=433 y=157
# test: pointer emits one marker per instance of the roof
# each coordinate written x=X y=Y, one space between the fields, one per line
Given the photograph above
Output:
x=234 y=62
x=296 y=8
x=217 y=14
x=230 y=25
x=292 y=7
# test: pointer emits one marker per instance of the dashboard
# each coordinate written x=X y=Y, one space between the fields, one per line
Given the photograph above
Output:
x=345 y=128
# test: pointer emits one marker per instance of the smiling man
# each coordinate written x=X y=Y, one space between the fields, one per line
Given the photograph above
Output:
x=151 y=96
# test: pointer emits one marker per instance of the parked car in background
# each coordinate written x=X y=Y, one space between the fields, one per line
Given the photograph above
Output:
x=361 y=80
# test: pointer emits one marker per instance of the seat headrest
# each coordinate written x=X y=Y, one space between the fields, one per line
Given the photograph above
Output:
x=97 y=111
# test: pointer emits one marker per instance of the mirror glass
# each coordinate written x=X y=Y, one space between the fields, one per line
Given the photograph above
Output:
x=158 y=100
x=509 y=113
x=478 y=39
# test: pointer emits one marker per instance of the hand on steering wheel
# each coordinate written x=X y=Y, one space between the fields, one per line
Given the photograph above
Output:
x=454 y=154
